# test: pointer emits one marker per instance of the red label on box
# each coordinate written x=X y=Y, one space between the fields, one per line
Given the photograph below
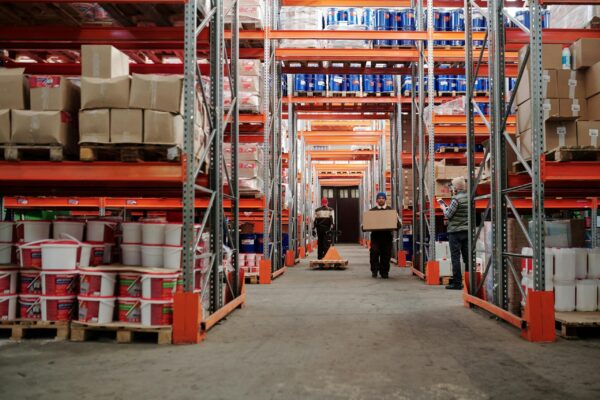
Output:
x=44 y=81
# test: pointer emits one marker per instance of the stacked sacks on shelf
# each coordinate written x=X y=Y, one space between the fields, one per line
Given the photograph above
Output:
x=250 y=12
x=250 y=167
x=300 y=18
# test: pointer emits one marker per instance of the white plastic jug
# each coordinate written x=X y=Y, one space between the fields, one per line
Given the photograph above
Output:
x=587 y=295
x=564 y=264
x=581 y=263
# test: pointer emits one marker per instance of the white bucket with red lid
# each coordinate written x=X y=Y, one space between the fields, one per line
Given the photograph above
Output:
x=91 y=255
x=32 y=231
x=8 y=281
x=68 y=227
x=57 y=308
x=7 y=231
x=30 y=307
x=8 y=307
x=159 y=286
x=131 y=254
x=172 y=257
x=152 y=256
x=30 y=282
x=132 y=232
x=59 y=282
x=59 y=254
x=96 y=309
x=130 y=284
x=173 y=234
x=129 y=310
x=97 y=283
x=153 y=233
x=157 y=312
x=101 y=231
x=30 y=254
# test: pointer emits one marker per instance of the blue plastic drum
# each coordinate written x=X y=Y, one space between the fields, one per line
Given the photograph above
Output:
x=387 y=82
x=300 y=83
x=444 y=25
x=342 y=17
x=457 y=24
x=337 y=83
x=382 y=19
x=545 y=19
x=479 y=24
x=523 y=17
x=331 y=17
x=247 y=242
x=461 y=83
x=406 y=84
x=310 y=82
x=367 y=17
x=353 y=16
x=320 y=83
x=369 y=83
x=353 y=83
x=408 y=24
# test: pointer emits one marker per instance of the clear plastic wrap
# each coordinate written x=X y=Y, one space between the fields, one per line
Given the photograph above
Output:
x=574 y=17
x=301 y=18
x=348 y=44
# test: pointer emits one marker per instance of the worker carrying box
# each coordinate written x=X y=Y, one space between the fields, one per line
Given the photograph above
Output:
x=381 y=221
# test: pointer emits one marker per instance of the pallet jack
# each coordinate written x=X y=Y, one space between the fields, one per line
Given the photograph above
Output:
x=331 y=260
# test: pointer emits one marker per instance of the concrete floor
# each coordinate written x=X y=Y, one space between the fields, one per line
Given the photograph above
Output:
x=319 y=335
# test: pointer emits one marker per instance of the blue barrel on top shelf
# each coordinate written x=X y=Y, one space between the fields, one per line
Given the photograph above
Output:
x=394 y=24
x=444 y=25
x=406 y=84
x=461 y=83
x=367 y=18
x=353 y=83
x=354 y=16
x=331 y=16
x=479 y=24
x=407 y=24
x=320 y=83
x=387 y=83
x=337 y=83
x=382 y=22
x=369 y=84
x=378 y=83
x=457 y=24
x=300 y=83
x=247 y=242
x=310 y=82
x=342 y=16
x=523 y=17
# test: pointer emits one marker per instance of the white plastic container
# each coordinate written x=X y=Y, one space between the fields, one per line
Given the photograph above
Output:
x=172 y=257
x=564 y=264
x=581 y=263
x=153 y=233
x=6 y=231
x=132 y=232
x=8 y=281
x=154 y=312
x=594 y=264
x=587 y=295
x=150 y=281
x=34 y=230
x=97 y=230
x=173 y=234
x=152 y=256
x=564 y=296
x=59 y=254
x=550 y=266
x=97 y=283
x=131 y=254
x=5 y=253
x=57 y=308
x=71 y=228
x=8 y=307
x=92 y=254
x=96 y=309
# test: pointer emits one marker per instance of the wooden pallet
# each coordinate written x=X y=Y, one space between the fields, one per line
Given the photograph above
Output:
x=451 y=149
x=253 y=279
x=120 y=332
x=445 y=280
x=25 y=329
x=129 y=152
x=573 y=325
x=328 y=264
x=33 y=152
x=563 y=154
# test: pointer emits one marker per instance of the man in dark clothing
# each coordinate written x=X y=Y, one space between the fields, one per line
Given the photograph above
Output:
x=457 y=214
x=381 y=243
x=323 y=224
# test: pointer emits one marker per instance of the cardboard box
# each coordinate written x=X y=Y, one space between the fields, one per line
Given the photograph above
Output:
x=549 y=87
x=126 y=126
x=105 y=93
x=163 y=128
x=551 y=56
x=13 y=81
x=585 y=52
x=5 y=126
x=103 y=61
x=94 y=126
x=157 y=92
x=570 y=84
x=40 y=127
x=551 y=109
x=572 y=109
x=593 y=108
x=592 y=80
x=53 y=93
x=557 y=134
x=380 y=220
x=587 y=133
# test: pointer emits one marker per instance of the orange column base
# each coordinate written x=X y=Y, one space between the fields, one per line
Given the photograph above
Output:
x=187 y=317
x=309 y=247
x=301 y=252
x=401 y=258
x=290 y=258
x=432 y=273
x=264 y=272
x=539 y=315
x=368 y=244
x=478 y=277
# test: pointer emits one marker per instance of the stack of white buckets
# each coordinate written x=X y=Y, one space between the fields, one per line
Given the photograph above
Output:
x=152 y=244
x=573 y=274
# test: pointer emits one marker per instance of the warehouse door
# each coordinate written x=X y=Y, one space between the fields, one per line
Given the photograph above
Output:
x=345 y=202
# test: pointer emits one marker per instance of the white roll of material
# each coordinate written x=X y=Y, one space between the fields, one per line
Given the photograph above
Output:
x=564 y=296
x=587 y=295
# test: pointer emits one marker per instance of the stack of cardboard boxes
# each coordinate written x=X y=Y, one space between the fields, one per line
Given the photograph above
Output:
x=49 y=119
x=407 y=187
x=118 y=108
x=443 y=176
x=570 y=110
x=250 y=157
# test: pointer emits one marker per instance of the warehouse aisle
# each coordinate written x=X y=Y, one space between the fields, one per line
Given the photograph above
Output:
x=319 y=335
